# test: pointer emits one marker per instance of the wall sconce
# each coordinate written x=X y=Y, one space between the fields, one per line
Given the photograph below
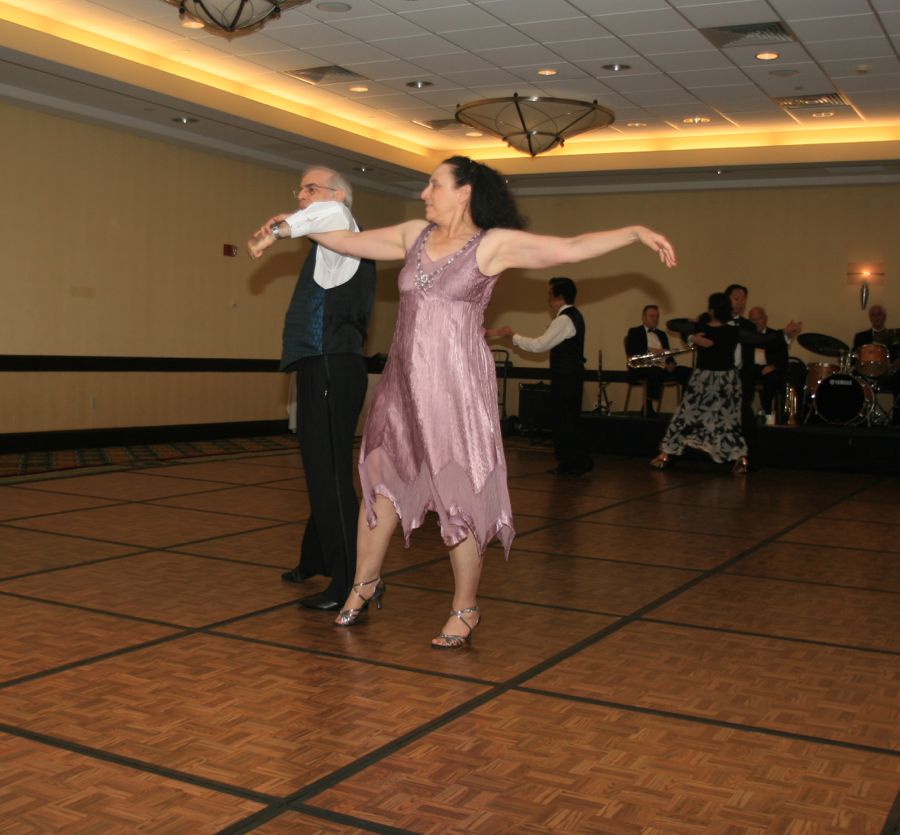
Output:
x=863 y=274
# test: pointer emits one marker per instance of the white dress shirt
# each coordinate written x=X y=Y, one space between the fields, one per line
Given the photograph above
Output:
x=331 y=269
x=560 y=329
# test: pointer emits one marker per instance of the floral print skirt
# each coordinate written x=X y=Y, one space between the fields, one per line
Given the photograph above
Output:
x=708 y=417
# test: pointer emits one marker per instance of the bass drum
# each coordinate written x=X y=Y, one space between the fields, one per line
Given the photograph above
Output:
x=841 y=399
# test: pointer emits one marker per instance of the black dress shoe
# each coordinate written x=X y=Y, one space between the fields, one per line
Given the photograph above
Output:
x=320 y=603
x=297 y=575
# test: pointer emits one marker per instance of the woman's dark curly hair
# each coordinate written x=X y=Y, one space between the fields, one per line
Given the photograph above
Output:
x=720 y=305
x=492 y=204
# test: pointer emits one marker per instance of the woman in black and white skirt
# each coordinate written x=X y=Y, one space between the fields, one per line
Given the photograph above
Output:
x=709 y=415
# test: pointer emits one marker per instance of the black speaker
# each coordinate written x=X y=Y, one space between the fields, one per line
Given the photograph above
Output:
x=534 y=407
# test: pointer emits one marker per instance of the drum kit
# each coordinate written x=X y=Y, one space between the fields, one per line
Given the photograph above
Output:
x=843 y=394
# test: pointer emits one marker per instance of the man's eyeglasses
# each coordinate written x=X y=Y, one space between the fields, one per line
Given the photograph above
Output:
x=309 y=190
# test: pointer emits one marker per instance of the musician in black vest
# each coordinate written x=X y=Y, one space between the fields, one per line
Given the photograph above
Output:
x=564 y=338
x=323 y=340
x=648 y=338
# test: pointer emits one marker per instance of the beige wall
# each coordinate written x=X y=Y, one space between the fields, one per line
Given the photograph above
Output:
x=111 y=245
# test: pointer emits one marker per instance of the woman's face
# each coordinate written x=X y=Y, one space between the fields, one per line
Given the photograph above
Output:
x=441 y=196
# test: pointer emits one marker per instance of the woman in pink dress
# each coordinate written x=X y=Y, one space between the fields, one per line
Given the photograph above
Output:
x=432 y=438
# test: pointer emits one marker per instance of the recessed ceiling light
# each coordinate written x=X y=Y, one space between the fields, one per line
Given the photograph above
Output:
x=617 y=67
x=333 y=7
x=636 y=125
x=784 y=72
x=362 y=169
x=719 y=172
x=359 y=89
x=822 y=114
x=419 y=85
x=696 y=120
x=546 y=72
x=184 y=120
x=474 y=133
x=766 y=56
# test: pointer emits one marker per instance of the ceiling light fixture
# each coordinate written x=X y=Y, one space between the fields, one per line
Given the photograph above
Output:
x=636 y=124
x=359 y=88
x=617 y=67
x=766 y=56
x=534 y=124
x=419 y=85
x=230 y=18
x=546 y=71
x=822 y=114
x=696 y=120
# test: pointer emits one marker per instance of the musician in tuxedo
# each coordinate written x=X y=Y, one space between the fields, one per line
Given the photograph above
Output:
x=647 y=338
x=878 y=334
x=770 y=361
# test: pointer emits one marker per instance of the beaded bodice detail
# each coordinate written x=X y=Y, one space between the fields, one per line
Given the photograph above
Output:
x=425 y=280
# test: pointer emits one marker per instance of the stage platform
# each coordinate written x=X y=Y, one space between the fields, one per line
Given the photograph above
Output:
x=812 y=446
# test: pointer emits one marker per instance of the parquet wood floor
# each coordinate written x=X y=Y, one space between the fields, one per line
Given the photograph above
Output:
x=664 y=653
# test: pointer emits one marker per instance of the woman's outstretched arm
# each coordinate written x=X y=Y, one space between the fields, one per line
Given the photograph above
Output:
x=509 y=248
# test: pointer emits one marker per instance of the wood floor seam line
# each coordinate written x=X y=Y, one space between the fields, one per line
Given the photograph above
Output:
x=56 y=568
x=138 y=765
x=821 y=583
x=706 y=720
x=771 y=636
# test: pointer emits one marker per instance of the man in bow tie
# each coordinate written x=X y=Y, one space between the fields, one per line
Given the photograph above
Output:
x=646 y=338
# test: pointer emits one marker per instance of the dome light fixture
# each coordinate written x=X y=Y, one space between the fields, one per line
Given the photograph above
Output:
x=230 y=18
x=534 y=124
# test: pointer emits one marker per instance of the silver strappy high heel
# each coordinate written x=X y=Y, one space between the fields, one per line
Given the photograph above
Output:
x=347 y=617
x=458 y=641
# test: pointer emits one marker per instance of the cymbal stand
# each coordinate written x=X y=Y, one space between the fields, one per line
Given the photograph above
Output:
x=603 y=404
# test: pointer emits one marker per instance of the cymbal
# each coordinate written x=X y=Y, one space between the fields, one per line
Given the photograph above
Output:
x=819 y=343
x=682 y=326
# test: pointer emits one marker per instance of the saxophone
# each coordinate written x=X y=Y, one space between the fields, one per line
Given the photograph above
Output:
x=658 y=359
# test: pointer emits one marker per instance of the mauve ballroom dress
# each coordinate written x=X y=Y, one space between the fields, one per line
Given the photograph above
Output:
x=432 y=437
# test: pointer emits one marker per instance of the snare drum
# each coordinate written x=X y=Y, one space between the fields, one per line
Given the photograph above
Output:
x=872 y=360
x=842 y=399
x=815 y=373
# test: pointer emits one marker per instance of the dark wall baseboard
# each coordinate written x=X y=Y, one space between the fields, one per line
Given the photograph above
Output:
x=129 y=436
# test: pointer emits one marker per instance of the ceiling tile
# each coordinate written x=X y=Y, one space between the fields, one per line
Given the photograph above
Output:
x=837 y=28
x=359 y=8
x=526 y=11
x=791 y=10
x=683 y=61
x=725 y=14
x=416 y=46
x=494 y=75
x=474 y=40
x=869 y=83
x=403 y=6
x=564 y=72
x=737 y=99
x=630 y=84
x=351 y=53
x=592 y=49
x=378 y=26
x=573 y=29
x=710 y=78
x=688 y=40
x=851 y=48
x=651 y=98
x=313 y=34
x=745 y=56
x=891 y=22
x=453 y=62
x=384 y=70
x=451 y=19
x=851 y=66
x=517 y=56
x=638 y=23
x=774 y=119
x=601 y=8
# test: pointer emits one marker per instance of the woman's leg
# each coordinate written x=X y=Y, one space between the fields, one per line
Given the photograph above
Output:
x=371 y=546
x=466 y=563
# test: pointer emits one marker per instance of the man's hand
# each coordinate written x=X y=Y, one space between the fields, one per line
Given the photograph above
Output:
x=792 y=328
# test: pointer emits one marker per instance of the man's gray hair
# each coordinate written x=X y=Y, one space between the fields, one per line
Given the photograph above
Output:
x=335 y=180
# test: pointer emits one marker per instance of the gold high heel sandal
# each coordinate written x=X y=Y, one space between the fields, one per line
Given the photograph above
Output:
x=741 y=466
x=661 y=461
x=347 y=617
x=458 y=641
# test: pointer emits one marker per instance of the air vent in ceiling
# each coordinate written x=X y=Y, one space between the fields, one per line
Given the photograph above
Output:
x=819 y=100
x=331 y=74
x=749 y=34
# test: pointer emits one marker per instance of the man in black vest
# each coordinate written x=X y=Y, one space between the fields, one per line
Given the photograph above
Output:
x=324 y=335
x=565 y=341
x=647 y=338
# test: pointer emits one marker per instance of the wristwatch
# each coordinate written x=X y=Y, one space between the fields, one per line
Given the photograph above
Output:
x=275 y=229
